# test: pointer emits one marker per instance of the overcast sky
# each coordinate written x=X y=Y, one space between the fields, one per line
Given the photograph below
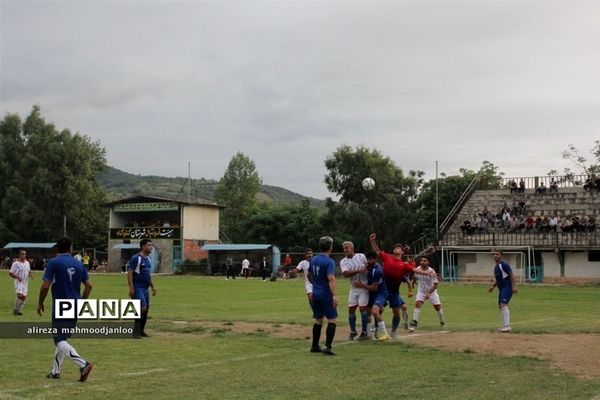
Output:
x=161 y=83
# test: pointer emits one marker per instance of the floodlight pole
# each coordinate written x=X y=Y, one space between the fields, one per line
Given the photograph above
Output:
x=437 y=208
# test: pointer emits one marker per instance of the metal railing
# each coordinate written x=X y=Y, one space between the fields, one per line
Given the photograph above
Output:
x=532 y=182
x=459 y=205
x=537 y=239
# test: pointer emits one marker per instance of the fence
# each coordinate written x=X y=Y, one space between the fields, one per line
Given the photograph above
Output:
x=547 y=240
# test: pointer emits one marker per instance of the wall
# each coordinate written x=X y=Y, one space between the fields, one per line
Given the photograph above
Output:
x=200 y=223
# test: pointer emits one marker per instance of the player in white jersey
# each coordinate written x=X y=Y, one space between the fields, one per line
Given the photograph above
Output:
x=427 y=291
x=303 y=266
x=20 y=271
x=354 y=267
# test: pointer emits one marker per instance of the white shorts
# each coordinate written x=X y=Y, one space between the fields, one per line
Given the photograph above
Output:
x=358 y=297
x=21 y=287
x=433 y=297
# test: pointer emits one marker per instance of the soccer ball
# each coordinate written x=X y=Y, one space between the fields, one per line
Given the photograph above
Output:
x=368 y=183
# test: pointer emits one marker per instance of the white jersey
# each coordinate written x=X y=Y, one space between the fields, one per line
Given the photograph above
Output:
x=245 y=264
x=357 y=261
x=21 y=269
x=304 y=266
x=426 y=282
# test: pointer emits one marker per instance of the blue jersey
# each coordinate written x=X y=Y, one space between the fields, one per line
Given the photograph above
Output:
x=321 y=266
x=141 y=267
x=66 y=275
x=502 y=272
x=375 y=275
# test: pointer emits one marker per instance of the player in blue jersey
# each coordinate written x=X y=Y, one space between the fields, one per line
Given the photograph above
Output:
x=324 y=301
x=378 y=293
x=505 y=280
x=139 y=278
x=65 y=274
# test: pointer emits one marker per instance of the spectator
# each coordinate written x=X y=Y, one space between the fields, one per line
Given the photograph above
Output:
x=521 y=186
x=589 y=184
x=529 y=224
x=552 y=223
x=513 y=186
x=467 y=228
x=541 y=189
x=553 y=186
x=591 y=224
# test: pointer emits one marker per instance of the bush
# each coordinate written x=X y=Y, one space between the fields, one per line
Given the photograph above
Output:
x=193 y=268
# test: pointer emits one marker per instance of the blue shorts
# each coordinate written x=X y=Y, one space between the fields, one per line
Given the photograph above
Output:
x=395 y=300
x=143 y=295
x=377 y=300
x=61 y=324
x=323 y=307
x=505 y=296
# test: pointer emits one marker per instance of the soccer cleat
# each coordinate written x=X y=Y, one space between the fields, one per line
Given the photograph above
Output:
x=411 y=328
x=414 y=323
x=383 y=336
x=406 y=325
x=395 y=335
x=144 y=334
x=363 y=336
x=317 y=349
x=85 y=371
x=328 y=352
x=352 y=335
x=443 y=325
x=506 y=329
x=53 y=376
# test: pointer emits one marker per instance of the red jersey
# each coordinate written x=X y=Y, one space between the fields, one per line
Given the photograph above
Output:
x=394 y=271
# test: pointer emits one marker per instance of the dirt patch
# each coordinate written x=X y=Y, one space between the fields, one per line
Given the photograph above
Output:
x=575 y=353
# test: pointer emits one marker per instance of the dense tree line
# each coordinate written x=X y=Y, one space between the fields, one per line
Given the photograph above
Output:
x=47 y=176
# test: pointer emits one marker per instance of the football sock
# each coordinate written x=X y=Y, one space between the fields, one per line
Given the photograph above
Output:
x=143 y=320
x=405 y=316
x=505 y=316
x=416 y=314
x=21 y=306
x=395 y=323
x=329 y=334
x=381 y=327
x=441 y=316
x=364 y=319
x=67 y=350
x=58 y=360
x=18 y=303
x=352 y=321
x=316 y=335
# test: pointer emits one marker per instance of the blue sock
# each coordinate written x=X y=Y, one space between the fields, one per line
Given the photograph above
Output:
x=395 y=323
x=352 y=321
x=364 y=320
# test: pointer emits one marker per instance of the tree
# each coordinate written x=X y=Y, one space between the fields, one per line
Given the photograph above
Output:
x=51 y=175
x=585 y=166
x=357 y=213
x=237 y=190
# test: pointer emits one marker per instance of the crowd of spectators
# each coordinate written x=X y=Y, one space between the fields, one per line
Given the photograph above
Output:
x=513 y=218
x=591 y=183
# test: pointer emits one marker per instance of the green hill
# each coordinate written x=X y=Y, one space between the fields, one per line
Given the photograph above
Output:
x=121 y=184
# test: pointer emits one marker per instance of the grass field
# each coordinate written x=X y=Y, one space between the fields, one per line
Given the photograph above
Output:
x=247 y=339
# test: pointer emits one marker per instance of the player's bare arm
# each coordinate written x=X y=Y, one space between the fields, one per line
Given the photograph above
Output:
x=43 y=293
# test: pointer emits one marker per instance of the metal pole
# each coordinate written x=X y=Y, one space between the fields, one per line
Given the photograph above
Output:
x=189 y=183
x=64 y=226
x=437 y=208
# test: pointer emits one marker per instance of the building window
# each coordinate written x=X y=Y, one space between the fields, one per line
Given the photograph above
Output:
x=594 y=256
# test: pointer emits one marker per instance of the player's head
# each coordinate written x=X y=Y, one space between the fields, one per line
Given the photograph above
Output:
x=348 y=249
x=498 y=255
x=424 y=262
x=64 y=245
x=398 y=250
x=22 y=254
x=325 y=244
x=146 y=246
x=371 y=258
x=308 y=253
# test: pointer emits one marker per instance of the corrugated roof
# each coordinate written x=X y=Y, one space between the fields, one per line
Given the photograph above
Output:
x=230 y=247
x=27 y=245
x=198 y=202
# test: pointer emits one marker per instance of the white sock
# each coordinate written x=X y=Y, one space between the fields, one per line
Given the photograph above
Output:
x=405 y=316
x=440 y=313
x=58 y=360
x=381 y=327
x=21 y=306
x=18 y=302
x=416 y=314
x=70 y=352
x=505 y=316
x=369 y=328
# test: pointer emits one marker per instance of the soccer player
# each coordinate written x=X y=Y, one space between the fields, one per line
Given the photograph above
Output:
x=378 y=294
x=354 y=267
x=324 y=304
x=303 y=266
x=427 y=291
x=20 y=271
x=245 y=268
x=139 y=279
x=394 y=270
x=505 y=280
x=65 y=274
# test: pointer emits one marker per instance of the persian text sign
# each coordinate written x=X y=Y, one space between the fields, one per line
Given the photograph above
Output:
x=145 y=233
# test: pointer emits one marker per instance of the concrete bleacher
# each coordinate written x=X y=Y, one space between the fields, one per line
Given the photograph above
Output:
x=567 y=202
